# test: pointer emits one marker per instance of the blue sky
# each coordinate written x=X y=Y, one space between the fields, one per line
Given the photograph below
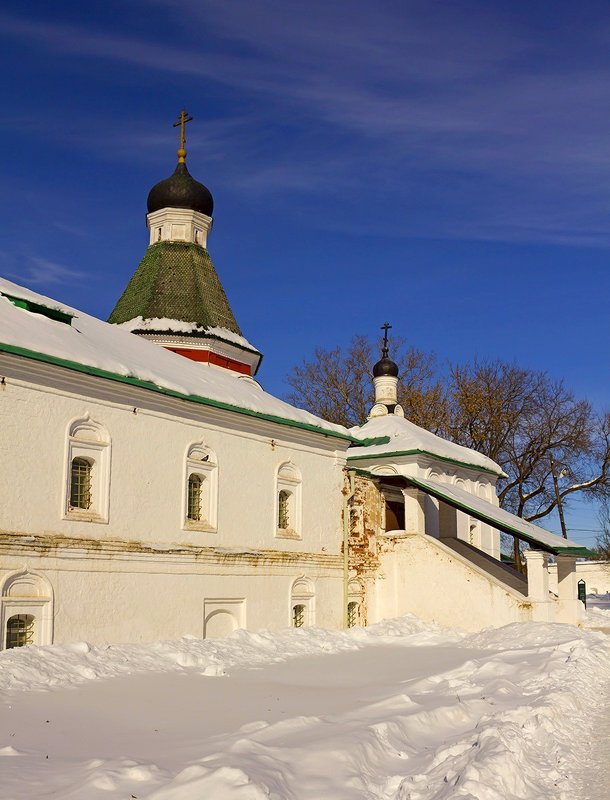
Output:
x=445 y=166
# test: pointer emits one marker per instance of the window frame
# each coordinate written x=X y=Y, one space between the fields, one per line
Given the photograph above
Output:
x=28 y=593
x=303 y=593
x=288 y=480
x=90 y=441
x=201 y=462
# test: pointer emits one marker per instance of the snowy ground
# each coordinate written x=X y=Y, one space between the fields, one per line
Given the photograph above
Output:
x=401 y=710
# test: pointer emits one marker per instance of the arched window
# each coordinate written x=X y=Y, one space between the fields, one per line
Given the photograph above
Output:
x=200 y=503
x=26 y=609
x=193 y=510
x=288 y=502
x=302 y=603
x=19 y=630
x=80 y=483
x=88 y=472
x=355 y=603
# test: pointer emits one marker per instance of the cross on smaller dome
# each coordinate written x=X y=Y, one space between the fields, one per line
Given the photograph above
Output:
x=385 y=366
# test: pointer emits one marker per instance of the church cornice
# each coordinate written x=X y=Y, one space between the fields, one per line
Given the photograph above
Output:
x=406 y=453
x=189 y=398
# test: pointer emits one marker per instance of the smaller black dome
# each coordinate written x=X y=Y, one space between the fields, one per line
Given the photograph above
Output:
x=181 y=190
x=385 y=367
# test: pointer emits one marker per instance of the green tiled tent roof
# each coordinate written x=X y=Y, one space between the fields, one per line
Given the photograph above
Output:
x=176 y=280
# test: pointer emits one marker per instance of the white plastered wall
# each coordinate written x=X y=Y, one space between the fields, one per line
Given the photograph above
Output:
x=421 y=576
x=596 y=575
x=137 y=577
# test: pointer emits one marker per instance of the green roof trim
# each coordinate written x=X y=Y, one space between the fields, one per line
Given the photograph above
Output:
x=398 y=453
x=153 y=387
x=38 y=308
x=370 y=442
x=502 y=526
x=176 y=280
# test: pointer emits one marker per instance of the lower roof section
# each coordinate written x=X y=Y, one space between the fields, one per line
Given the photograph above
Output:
x=499 y=518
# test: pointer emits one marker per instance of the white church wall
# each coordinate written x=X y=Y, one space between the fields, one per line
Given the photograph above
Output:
x=146 y=478
x=142 y=600
x=140 y=571
x=421 y=576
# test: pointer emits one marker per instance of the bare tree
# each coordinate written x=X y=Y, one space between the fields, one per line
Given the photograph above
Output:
x=551 y=445
x=532 y=427
x=337 y=384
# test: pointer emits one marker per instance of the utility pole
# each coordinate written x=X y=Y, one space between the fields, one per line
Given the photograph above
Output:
x=558 y=500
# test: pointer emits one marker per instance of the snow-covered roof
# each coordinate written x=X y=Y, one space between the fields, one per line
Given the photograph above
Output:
x=86 y=343
x=178 y=326
x=406 y=438
x=498 y=517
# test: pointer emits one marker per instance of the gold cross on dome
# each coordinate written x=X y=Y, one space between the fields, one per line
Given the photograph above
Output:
x=183 y=119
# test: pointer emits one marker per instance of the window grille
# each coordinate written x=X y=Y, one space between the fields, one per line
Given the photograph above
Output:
x=283 y=519
x=352 y=614
x=298 y=616
x=19 y=630
x=80 y=484
x=193 y=511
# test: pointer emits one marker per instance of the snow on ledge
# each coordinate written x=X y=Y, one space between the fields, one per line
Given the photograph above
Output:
x=161 y=324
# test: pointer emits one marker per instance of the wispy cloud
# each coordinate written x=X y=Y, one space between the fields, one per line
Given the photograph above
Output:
x=36 y=271
x=336 y=98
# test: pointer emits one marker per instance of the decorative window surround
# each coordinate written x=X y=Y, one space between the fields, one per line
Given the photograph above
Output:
x=29 y=594
x=201 y=464
x=302 y=603
x=288 y=502
x=88 y=440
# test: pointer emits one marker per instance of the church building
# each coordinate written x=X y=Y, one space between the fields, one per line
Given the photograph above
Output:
x=152 y=489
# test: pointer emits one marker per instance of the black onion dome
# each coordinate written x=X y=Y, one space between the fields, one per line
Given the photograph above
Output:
x=385 y=367
x=181 y=190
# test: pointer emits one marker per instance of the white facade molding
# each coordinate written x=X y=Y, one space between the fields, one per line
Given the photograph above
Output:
x=178 y=225
x=303 y=594
x=288 y=490
x=219 y=347
x=89 y=440
x=24 y=592
x=202 y=462
x=222 y=616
